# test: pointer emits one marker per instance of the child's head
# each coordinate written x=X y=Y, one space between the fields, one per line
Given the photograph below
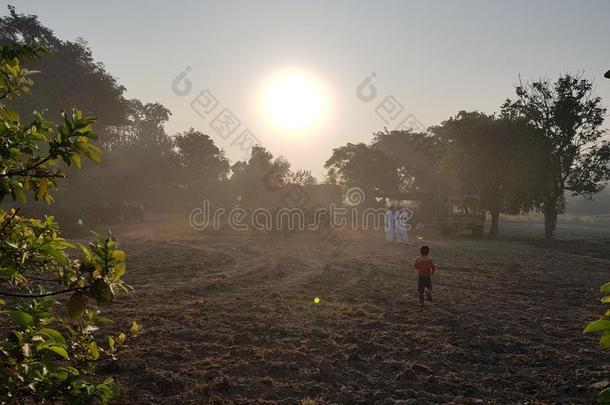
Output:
x=424 y=250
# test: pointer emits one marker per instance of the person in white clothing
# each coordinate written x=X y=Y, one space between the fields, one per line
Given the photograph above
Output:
x=401 y=224
x=389 y=224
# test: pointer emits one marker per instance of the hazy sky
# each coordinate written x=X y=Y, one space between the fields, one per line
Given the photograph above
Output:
x=436 y=58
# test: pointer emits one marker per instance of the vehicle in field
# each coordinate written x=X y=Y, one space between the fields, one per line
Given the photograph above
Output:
x=451 y=214
x=457 y=213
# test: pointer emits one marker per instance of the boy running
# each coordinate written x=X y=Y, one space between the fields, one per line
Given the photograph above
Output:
x=425 y=269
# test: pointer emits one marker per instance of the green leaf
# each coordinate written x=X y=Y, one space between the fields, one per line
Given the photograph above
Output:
x=42 y=187
x=21 y=318
x=604 y=340
x=95 y=354
x=118 y=255
x=119 y=271
x=77 y=304
x=59 y=350
x=75 y=159
x=604 y=396
x=598 y=326
x=605 y=288
x=54 y=335
x=101 y=291
x=135 y=328
x=20 y=194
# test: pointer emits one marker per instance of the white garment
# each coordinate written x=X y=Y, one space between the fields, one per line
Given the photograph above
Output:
x=389 y=226
x=401 y=225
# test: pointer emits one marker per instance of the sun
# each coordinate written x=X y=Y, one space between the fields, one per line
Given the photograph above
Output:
x=294 y=101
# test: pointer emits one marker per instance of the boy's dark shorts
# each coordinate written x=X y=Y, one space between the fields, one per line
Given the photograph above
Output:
x=423 y=283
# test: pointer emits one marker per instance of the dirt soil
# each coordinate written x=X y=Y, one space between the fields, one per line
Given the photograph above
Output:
x=232 y=319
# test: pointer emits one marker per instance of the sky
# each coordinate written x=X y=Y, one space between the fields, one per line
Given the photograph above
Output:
x=425 y=60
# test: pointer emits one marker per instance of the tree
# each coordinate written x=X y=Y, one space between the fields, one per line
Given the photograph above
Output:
x=569 y=117
x=495 y=158
x=417 y=155
x=303 y=178
x=363 y=166
x=261 y=170
x=49 y=353
x=72 y=77
x=140 y=153
x=201 y=160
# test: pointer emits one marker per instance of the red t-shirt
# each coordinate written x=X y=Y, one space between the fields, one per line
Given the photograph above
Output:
x=424 y=266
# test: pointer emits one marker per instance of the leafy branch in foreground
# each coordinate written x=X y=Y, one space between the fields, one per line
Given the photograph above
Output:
x=602 y=325
x=51 y=286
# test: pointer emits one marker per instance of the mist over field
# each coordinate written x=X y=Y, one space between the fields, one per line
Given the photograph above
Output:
x=266 y=202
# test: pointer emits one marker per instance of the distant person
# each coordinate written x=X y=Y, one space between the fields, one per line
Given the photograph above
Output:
x=425 y=269
x=389 y=224
x=401 y=219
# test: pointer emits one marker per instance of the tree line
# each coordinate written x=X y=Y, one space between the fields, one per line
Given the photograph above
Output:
x=545 y=141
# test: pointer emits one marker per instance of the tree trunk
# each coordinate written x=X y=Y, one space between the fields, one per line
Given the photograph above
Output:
x=494 y=230
x=550 y=218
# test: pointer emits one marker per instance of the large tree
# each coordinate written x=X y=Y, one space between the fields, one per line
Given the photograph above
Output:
x=261 y=171
x=364 y=166
x=71 y=75
x=495 y=158
x=569 y=117
x=140 y=153
x=417 y=155
x=201 y=161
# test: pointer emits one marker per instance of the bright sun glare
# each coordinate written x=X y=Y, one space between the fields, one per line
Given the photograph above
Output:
x=294 y=101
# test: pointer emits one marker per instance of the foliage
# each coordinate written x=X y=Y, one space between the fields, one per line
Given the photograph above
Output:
x=71 y=76
x=496 y=158
x=139 y=152
x=302 y=178
x=201 y=161
x=602 y=325
x=364 y=166
x=569 y=117
x=50 y=349
x=260 y=170
x=417 y=155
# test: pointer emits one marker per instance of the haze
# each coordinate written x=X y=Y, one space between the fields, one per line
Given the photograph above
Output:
x=435 y=57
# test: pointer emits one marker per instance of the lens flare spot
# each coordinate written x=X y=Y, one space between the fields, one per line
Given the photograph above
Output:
x=316 y=300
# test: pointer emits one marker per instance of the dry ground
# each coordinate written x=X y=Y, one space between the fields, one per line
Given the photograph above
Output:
x=231 y=319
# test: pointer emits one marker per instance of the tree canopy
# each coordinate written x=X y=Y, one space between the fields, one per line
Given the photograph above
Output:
x=71 y=76
x=569 y=117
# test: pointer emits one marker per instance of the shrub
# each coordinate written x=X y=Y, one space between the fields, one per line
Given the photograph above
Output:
x=603 y=325
x=51 y=344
